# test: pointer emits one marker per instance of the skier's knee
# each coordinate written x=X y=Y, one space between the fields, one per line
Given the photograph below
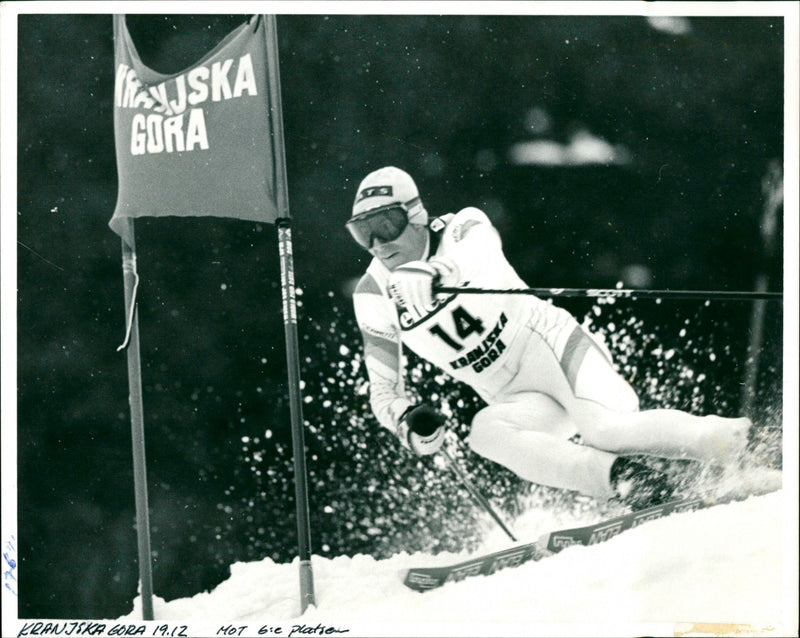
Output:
x=598 y=382
x=624 y=399
x=617 y=396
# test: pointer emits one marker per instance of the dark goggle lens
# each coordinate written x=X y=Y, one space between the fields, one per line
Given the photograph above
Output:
x=386 y=225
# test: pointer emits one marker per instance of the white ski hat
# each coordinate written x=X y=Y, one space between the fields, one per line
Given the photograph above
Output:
x=386 y=187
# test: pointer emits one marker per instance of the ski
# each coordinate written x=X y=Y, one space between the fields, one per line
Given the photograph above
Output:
x=602 y=531
x=423 y=579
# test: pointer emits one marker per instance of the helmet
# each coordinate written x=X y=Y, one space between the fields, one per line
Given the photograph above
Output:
x=390 y=186
x=386 y=202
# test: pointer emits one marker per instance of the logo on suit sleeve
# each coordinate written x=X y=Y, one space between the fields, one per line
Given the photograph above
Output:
x=461 y=229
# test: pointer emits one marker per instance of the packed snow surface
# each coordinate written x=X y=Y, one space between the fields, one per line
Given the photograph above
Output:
x=718 y=571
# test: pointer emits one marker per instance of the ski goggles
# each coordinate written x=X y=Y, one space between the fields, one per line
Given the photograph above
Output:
x=386 y=223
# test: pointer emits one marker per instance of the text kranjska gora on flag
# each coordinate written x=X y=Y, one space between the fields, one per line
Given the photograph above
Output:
x=176 y=121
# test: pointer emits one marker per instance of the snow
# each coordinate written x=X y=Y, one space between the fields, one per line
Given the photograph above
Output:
x=717 y=571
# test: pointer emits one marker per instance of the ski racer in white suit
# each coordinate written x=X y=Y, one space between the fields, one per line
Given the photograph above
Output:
x=543 y=377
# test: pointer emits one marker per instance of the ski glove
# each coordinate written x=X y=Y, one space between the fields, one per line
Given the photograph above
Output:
x=411 y=285
x=423 y=428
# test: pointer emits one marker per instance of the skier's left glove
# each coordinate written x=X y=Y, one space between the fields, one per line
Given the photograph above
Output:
x=423 y=429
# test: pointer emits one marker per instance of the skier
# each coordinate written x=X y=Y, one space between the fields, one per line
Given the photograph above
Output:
x=544 y=378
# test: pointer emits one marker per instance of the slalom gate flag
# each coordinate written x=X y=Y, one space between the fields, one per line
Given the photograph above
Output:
x=198 y=142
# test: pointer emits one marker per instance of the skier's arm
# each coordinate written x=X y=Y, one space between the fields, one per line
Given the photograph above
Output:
x=470 y=246
x=376 y=320
x=387 y=395
x=419 y=428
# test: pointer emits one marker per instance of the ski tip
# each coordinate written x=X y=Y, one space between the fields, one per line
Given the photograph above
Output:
x=422 y=580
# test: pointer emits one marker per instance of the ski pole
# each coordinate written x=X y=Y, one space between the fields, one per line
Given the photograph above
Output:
x=462 y=476
x=628 y=293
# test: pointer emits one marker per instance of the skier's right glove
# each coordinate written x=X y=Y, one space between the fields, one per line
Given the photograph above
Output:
x=423 y=428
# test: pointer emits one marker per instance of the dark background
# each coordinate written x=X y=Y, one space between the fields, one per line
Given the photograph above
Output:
x=444 y=97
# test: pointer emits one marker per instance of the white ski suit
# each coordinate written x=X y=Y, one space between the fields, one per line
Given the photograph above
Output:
x=543 y=377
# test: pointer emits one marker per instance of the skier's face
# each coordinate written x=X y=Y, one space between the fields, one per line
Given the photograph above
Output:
x=409 y=246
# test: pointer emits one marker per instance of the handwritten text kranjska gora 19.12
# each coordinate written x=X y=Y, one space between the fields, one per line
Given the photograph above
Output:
x=89 y=628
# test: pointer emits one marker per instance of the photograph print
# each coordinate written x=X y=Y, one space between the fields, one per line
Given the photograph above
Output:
x=399 y=319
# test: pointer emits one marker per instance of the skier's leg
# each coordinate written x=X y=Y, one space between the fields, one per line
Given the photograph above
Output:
x=527 y=437
x=604 y=407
